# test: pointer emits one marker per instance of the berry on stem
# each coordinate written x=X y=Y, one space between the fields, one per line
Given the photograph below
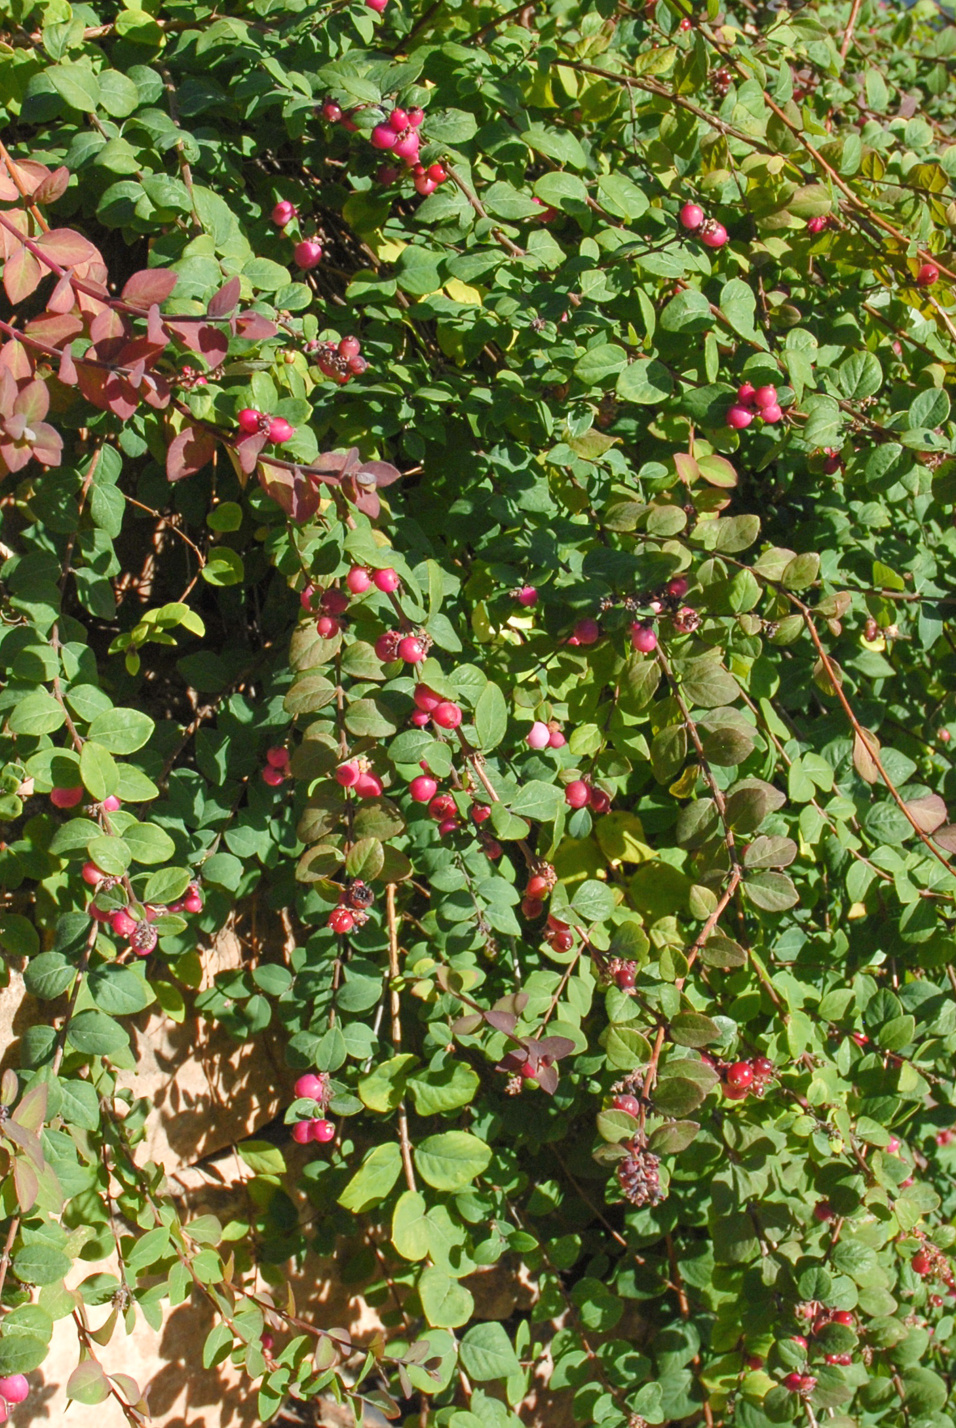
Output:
x=643 y=638
x=423 y=788
x=527 y=596
x=538 y=736
x=927 y=275
x=739 y=417
x=691 y=217
x=740 y=1075
x=322 y=1131
x=280 y=430
x=14 y=1388
x=411 y=650
x=447 y=715
x=386 y=579
x=358 y=580
x=249 y=421
x=66 y=797
x=283 y=213
x=307 y=254
x=577 y=793
x=310 y=1085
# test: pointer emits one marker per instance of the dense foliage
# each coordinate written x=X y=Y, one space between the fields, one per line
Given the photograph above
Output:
x=530 y=571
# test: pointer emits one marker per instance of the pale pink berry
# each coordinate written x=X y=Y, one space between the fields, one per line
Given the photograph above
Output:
x=739 y=417
x=420 y=719
x=643 y=639
x=322 y=1131
x=283 y=213
x=527 y=596
x=310 y=1085
x=91 y=874
x=577 y=793
x=273 y=777
x=249 y=421
x=538 y=736
x=66 y=797
x=358 y=580
x=423 y=788
x=556 y=739
x=386 y=579
x=691 y=216
x=122 y=924
x=14 y=1388
x=307 y=254
x=383 y=137
x=280 y=430
x=111 y=803
x=368 y=785
x=447 y=715
x=411 y=649
x=347 y=774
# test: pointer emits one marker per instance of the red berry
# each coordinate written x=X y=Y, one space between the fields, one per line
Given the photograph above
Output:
x=415 y=117
x=921 y=1263
x=349 y=347
x=302 y=1132
x=771 y=414
x=91 y=874
x=678 y=587
x=442 y=807
x=398 y=120
x=122 y=924
x=273 y=777
x=331 y=111
x=66 y=797
x=538 y=887
x=383 y=137
x=268 y=1343
x=347 y=775
x=386 y=646
x=556 y=739
x=714 y=235
x=753 y=1361
x=763 y=1067
x=322 y=1131
x=799 y=1340
x=598 y=801
x=437 y=173
x=531 y=908
x=686 y=23
x=839 y=1358
x=844 y=1317
x=739 y=417
x=420 y=719
x=480 y=812
x=305 y=598
x=341 y=920
x=377 y=5
x=630 y=1104
x=358 y=580
x=411 y=650
x=327 y=626
x=249 y=421
x=643 y=639
x=368 y=785
x=307 y=254
x=561 y=941
x=765 y=397
x=746 y=393
x=577 y=793
x=426 y=699
x=423 y=788
x=625 y=978
x=927 y=275
x=447 y=715
x=586 y=632
x=740 y=1075
x=386 y=579
x=283 y=213
x=334 y=602
x=407 y=147
x=527 y=596
x=794 y=1382
x=280 y=430
x=448 y=825
x=691 y=216
x=310 y=1085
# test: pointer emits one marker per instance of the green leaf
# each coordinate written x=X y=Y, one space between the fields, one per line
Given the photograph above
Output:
x=374 y=1179
x=121 y=731
x=491 y=717
x=446 y=1303
x=95 y=1034
x=452 y=1160
x=77 y=84
x=148 y=843
x=98 y=771
x=486 y=1353
x=40 y=1264
x=36 y=713
x=435 y=1091
x=409 y=1226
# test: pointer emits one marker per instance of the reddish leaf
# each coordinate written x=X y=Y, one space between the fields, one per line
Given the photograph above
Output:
x=47 y=444
x=54 y=186
x=62 y=299
x=31 y=174
x=225 y=300
x=946 y=838
x=15 y=359
x=92 y=383
x=109 y=324
x=8 y=389
x=10 y=242
x=33 y=402
x=297 y=497
x=67 y=372
x=189 y=452
x=54 y=327
x=928 y=812
x=155 y=330
x=383 y=471
x=255 y=327
x=64 y=246
x=21 y=275
x=548 y=1079
x=16 y=455
x=9 y=193
x=121 y=400
x=155 y=391
x=149 y=286
x=247 y=450
x=201 y=337
x=368 y=503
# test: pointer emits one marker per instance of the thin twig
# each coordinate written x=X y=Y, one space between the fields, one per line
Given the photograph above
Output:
x=393 y=972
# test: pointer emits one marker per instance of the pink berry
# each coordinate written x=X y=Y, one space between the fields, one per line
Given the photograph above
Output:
x=411 y=650
x=480 y=812
x=577 y=793
x=386 y=579
x=91 y=874
x=341 y=920
x=283 y=213
x=586 y=632
x=442 y=807
x=715 y=236
x=307 y=254
x=448 y=825
x=407 y=147
x=817 y=224
x=425 y=186
x=322 y=1131
x=66 y=797
x=927 y=275
x=301 y=1132
x=383 y=137
x=765 y=397
x=111 y=803
x=823 y=1211
x=192 y=903
x=249 y=421
x=398 y=120
x=630 y=1104
x=678 y=587
x=556 y=739
x=416 y=117
x=921 y=1264
x=753 y=1361
x=423 y=788
x=331 y=111
x=800 y=1341
x=738 y=417
x=426 y=698
x=273 y=777
x=386 y=647
x=771 y=414
x=643 y=639
x=14 y=1388
x=368 y=785
x=892 y=1145
x=527 y=596
x=334 y=602
x=280 y=430
x=349 y=347
x=746 y=393
x=419 y=719
x=358 y=580
x=492 y=848
x=122 y=924
x=347 y=775
x=327 y=626
x=268 y=1343
x=310 y=1085
x=538 y=736
x=437 y=173
x=691 y=216
x=598 y=801
x=377 y=5
x=447 y=715
x=305 y=598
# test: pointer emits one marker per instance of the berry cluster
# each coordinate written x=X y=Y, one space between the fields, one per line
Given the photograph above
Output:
x=255 y=423
x=355 y=899
x=75 y=794
x=313 y=1128
x=581 y=793
x=14 y=1389
x=357 y=777
x=134 y=921
x=930 y=1263
x=819 y=223
x=638 y=1174
x=741 y=1078
x=276 y=769
x=622 y=972
x=433 y=708
x=754 y=401
x=545 y=736
x=190 y=377
x=721 y=80
x=711 y=233
x=340 y=360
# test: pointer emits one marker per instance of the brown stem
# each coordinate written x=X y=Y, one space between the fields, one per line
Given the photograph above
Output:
x=482 y=212
x=396 y=1005
x=5 y=1257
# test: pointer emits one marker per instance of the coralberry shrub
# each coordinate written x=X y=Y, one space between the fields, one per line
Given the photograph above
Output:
x=479 y=483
